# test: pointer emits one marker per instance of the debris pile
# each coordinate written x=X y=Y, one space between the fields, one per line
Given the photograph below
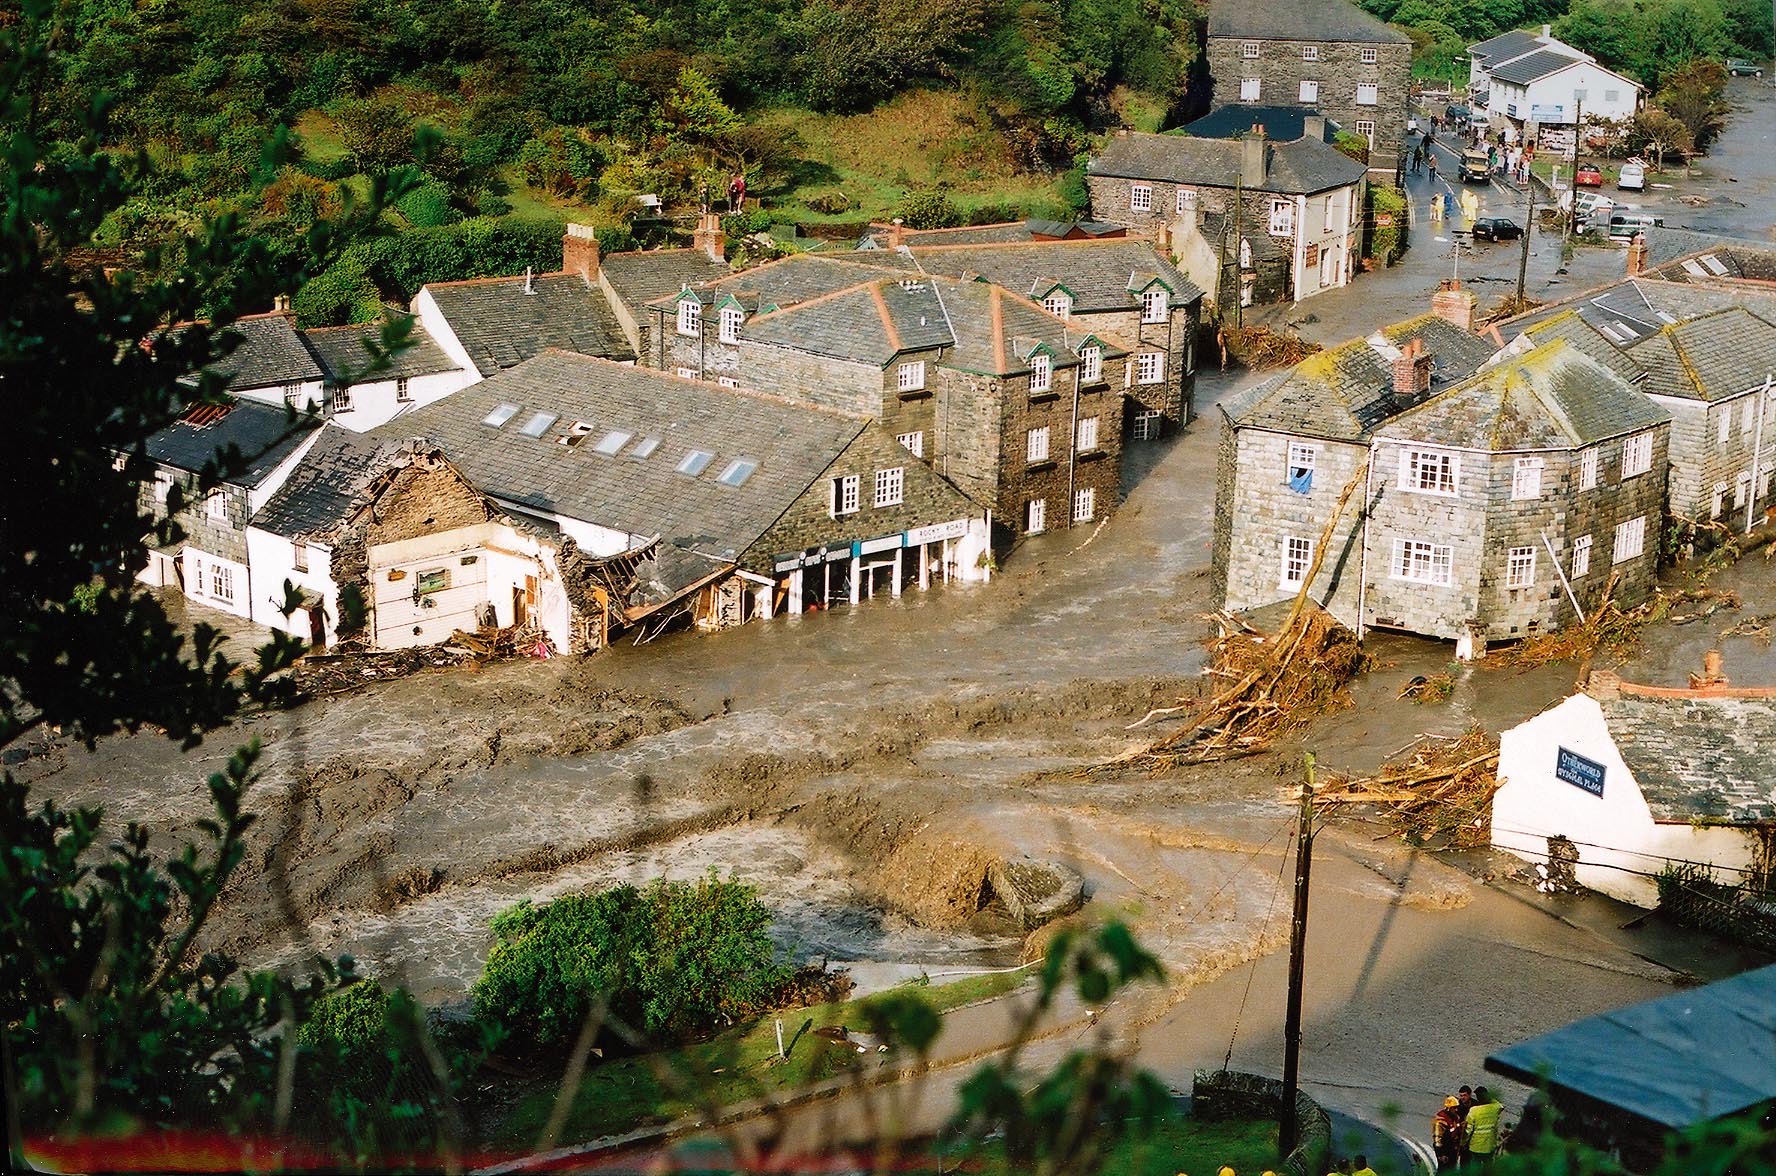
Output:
x=1438 y=792
x=1615 y=630
x=1261 y=347
x=351 y=665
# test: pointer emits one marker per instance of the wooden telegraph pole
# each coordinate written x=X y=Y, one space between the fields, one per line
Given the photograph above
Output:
x=1297 y=966
x=1528 y=228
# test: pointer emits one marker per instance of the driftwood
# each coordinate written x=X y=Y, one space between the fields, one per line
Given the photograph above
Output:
x=1440 y=791
x=1277 y=680
x=352 y=665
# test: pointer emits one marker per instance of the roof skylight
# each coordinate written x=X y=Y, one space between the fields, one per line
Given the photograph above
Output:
x=645 y=447
x=538 y=424
x=695 y=462
x=500 y=415
x=737 y=472
x=612 y=443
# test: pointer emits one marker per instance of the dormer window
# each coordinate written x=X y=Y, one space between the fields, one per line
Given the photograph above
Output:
x=910 y=377
x=731 y=319
x=1058 y=304
x=1091 y=363
x=1153 y=304
x=1041 y=373
x=690 y=317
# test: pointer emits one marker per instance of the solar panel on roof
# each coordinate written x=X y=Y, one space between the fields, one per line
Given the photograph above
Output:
x=500 y=415
x=538 y=424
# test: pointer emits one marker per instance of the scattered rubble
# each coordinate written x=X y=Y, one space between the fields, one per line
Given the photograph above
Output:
x=1439 y=792
x=351 y=665
x=1259 y=348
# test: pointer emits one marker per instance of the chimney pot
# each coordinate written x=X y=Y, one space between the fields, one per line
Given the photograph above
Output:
x=1453 y=304
x=897 y=233
x=1711 y=677
x=579 y=252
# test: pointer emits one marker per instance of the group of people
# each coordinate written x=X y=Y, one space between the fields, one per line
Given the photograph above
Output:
x=1503 y=155
x=1465 y=1132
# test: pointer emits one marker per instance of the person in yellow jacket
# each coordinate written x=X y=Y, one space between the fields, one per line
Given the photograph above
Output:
x=1481 y=1129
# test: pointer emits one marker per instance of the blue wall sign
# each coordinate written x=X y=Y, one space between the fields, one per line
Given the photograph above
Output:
x=1578 y=771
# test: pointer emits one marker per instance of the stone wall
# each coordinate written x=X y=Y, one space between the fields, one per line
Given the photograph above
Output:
x=1281 y=70
x=422 y=498
x=1230 y=1094
x=1174 y=400
x=1066 y=471
x=221 y=537
x=1699 y=461
x=926 y=499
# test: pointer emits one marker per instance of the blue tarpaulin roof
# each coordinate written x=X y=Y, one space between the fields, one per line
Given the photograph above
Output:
x=1677 y=1060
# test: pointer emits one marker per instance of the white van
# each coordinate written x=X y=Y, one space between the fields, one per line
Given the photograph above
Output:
x=1632 y=177
x=1625 y=226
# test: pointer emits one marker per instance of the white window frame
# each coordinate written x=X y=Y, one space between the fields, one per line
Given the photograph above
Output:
x=1059 y=305
x=1150 y=367
x=1366 y=128
x=1140 y=197
x=1186 y=200
x=1430 y=471
x=1725 y=431
x=728 y=324
x=1036 y=444
x=1630 y=540
x=1588 y=469
x=1308 y=91
x=1085 y=504
x=403 y=390
x=1526 y=478
x=727 y=381
x=1310 y=53
x=1155 y=306
x=1147 y=424
x=216 y=505
x=890 y=486
x=1036 y=516
x=1282 y=218
x=1331 y=213
x=845 y=495
x=1091 y=364
x=913 y=443
x=1741 y=489
x=690 y=317
x=163 y=486
x=1747 y=415
x=298 y=556
x=1581 y=557
x=1368 y=90
x=1085 y=434
x=1301 y=457
x=1249 y=51
x=1423 y=562
x=1371 y=55
x=1251 y=89
x=221 y=582
x=685 y=373
x=910 y=376
x=1717 y=502
x=1297 y=558
x=1520 y=567
x=1637 y=455
x=1041 y=373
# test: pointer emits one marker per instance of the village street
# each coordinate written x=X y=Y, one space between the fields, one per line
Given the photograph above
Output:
x=862 y=766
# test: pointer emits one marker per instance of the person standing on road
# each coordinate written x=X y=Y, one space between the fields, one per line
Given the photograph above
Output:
x=1481 y=1129
x=1464 y=1101
x=1446 y=1134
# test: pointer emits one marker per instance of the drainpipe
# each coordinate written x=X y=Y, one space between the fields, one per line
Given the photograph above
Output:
x=1757 y=453
x=1073 y=446
x=1363 y=550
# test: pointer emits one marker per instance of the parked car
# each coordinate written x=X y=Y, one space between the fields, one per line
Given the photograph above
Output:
x=1632 y=177
x=1741 y=68
x=1588 y=176
x=1625 y=226
x=1457 y=115
x=1496 y=228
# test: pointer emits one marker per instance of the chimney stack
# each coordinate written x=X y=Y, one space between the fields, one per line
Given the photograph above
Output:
x=1412 y=373
x=1252 y=158
x=1637 y=255
x=709 y=237
x=1713 y=675
x=1604 y=685
x=1314 y=127
x=1547 y=31
x=897 y=234
x=1453 y=304
x=280 y=303
x=579 y=253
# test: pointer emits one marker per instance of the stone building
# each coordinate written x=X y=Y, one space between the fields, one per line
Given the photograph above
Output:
x=1492 y=496
x=1239 y=201
x=732 y=504
x=1108 y=285
x=1329 y=56
x=1021 y=409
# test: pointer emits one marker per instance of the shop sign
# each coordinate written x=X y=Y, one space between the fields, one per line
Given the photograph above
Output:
x=871 y=546
x=937 y=532
x=1578 y=771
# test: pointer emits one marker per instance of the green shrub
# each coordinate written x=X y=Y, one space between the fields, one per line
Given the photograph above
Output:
x=1386 y=243
x=670 y=961
x=428 y=206
x=929 y=209
x=1073 y=189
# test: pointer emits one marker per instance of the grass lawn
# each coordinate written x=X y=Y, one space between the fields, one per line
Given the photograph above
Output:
x=321 y=140
x=1181 y=1145
x=733 y=1067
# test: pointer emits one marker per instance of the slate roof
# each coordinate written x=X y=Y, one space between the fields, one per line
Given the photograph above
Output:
x=1626 y=312
x=270 y=354
x=1101 y=275
x=995 y=234
x=792 y=443
x=1711 y=357
x=325 y=484
x=1553 y=397
x=1345 y=392
x=1533 y=67
x=1505 y=46
x=1236 y=118
x=1727 y=261
x=641 y=276
x=1572 y=328
x=1300 y=167
x=787 y=282
x=500 y=325
x=1697 y=757
x=1666 y=243
x=344 y=358
x=1294 y=20
x=254 y=438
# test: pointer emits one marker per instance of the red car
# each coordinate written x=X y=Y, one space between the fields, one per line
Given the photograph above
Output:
x=1588 y=176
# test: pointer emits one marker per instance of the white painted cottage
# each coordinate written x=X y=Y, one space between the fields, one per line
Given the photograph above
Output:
x=1637 y=777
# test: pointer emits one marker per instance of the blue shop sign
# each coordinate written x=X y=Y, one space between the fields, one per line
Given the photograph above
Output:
x=1578 y=771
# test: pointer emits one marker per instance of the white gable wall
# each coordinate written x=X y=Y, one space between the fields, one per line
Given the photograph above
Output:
x=425 y=308
x=1620 y=845
x=376 y=402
